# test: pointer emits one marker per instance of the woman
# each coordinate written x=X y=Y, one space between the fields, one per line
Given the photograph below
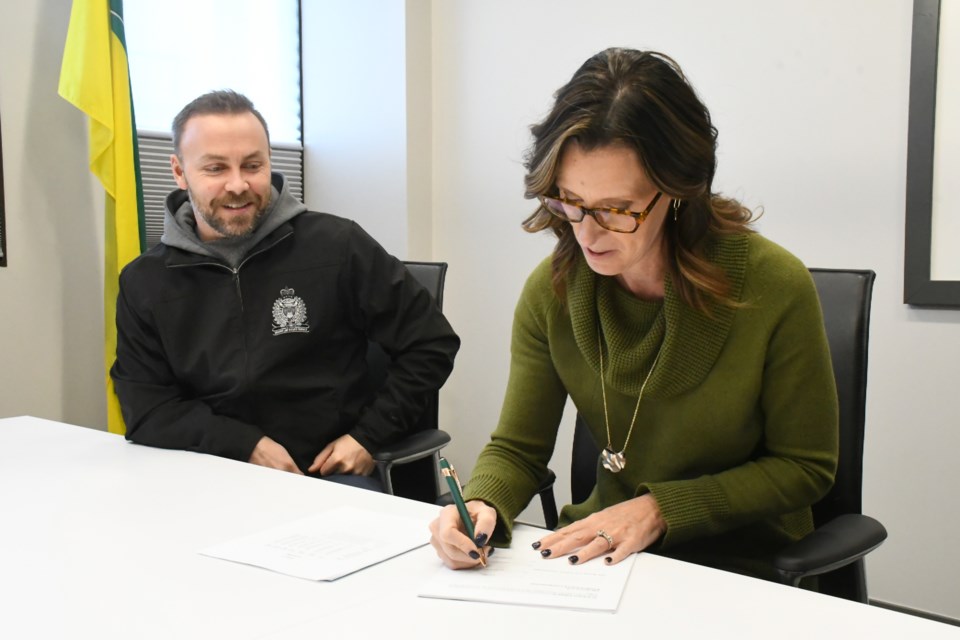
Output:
x=693 y=348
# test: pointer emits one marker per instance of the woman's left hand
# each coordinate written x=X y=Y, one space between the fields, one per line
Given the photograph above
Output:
x=632 y=526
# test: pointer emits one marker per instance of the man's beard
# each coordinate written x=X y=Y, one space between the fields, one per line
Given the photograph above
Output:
x=232 y=225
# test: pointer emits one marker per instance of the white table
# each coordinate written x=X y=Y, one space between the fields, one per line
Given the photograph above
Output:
x=99 y=539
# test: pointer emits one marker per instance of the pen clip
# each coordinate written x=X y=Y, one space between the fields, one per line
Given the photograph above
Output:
x=447 y=470
x=456 y=478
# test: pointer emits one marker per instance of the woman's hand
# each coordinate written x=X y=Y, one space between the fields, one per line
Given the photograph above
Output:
x=448 y=537
x=632 y=526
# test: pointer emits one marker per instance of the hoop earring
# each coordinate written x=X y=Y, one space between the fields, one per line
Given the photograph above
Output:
x=676 y=208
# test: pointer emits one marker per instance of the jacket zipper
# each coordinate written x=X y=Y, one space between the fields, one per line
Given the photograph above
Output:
x=236 y=279
x=236 y=271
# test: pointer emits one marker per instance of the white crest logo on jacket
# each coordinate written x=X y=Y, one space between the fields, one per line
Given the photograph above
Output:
x=289 y=314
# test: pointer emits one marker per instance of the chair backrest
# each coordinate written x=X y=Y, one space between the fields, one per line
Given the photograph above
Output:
x=583 y=462
x=413 y=480
x=845 y=297
x=431 y=275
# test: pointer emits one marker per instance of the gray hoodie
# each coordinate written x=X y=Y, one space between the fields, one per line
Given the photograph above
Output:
x=180 y=224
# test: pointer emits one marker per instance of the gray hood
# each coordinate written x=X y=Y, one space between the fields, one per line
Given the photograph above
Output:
x=180 y=225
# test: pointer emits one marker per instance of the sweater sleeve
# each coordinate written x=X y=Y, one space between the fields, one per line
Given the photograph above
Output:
x=796 y=462
x=155 y=408
x=512 y=464
x=400 y=315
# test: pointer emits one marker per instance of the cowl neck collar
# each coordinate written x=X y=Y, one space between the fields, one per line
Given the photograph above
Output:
x=633 y=331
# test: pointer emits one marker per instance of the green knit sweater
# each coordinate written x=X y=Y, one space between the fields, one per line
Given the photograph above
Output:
x=736 y=434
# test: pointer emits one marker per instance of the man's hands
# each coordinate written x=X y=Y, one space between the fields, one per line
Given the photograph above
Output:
x=343 y=455
x=270 y=453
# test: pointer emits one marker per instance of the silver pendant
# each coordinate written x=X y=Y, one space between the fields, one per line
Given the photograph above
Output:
x=613 y=462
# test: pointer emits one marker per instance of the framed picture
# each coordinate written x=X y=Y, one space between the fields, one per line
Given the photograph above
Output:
x=3 y=219
x=931 y=275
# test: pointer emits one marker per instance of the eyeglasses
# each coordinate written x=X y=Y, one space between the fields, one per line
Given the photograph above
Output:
x=610 y=218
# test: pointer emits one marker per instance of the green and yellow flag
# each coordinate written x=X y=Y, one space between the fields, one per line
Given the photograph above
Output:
x=94 y=77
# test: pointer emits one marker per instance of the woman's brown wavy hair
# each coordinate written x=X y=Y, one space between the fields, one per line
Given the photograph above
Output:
x=643 y=100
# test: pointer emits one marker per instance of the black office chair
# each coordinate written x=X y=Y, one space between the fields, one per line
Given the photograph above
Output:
x=843 y=535
x=415 y=457
x=834 y=551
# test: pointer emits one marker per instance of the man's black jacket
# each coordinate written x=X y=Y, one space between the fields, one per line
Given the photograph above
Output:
x=211 y=358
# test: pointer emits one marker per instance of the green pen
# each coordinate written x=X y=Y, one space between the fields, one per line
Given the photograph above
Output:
x=457 y=492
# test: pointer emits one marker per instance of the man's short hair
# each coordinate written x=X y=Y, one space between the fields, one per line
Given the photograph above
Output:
x=225 y=101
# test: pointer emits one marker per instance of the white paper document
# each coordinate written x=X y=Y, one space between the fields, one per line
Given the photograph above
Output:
x=519 y=575
x=327 y=546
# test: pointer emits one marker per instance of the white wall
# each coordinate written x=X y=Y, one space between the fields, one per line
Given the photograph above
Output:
x=51 y=309
x=366 y=125
x=811 y=101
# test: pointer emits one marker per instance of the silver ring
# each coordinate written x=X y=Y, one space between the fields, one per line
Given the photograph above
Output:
x=606 y=536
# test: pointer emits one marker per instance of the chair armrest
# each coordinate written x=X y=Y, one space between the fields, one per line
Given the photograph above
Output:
x=837 y=543
x=421 y=444
x=415 y=446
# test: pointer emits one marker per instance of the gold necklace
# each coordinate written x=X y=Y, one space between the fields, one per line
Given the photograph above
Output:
x=614 y=462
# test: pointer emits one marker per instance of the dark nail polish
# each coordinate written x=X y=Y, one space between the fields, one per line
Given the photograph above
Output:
x=573 y=559
x=481 y=539
x=490 y=552
x=608 y=560
x=474 y=555
x=545 y=553
x=536 y=545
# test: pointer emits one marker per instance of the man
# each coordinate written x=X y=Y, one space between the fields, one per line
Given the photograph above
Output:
x=244 y=332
